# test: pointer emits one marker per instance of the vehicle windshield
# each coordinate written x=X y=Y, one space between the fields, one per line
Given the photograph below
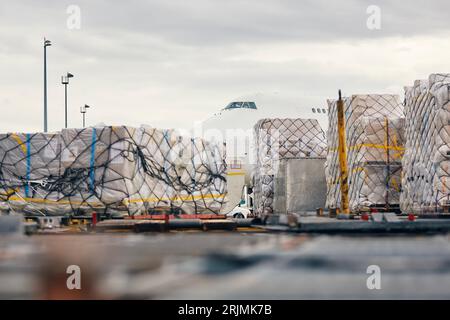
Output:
x=242 y=104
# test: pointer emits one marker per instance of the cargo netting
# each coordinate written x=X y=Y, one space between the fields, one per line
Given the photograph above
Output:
x=111 y=170
x=277 y=139
x=374 y=135
x=426 y=162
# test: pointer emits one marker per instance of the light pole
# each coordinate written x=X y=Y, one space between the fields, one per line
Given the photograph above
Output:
x=83 y=111
x=47 y=43
x=65 y=82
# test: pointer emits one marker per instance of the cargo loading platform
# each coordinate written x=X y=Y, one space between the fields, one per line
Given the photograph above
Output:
x=376 y=223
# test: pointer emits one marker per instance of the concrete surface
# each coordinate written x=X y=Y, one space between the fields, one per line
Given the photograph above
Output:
x=225 y=265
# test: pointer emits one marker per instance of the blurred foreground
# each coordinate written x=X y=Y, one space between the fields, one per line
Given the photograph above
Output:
x=221 y=265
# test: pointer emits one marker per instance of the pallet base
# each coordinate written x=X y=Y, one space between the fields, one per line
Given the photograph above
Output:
x=325 y=225
x=131 y=225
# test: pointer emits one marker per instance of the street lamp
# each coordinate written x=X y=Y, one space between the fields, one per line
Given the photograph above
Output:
x=83 y=111
x=65 y=82
x=47 y=43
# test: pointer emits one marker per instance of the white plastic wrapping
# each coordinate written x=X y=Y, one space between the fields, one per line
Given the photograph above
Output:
x=374 y=134
x=278 y=139
x=111 y=169
x=427 y=158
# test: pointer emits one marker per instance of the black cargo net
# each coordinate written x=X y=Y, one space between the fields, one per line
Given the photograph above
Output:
x=111 y=170
x=278 y=139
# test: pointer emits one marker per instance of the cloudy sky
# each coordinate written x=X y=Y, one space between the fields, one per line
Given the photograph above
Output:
x=170 y=63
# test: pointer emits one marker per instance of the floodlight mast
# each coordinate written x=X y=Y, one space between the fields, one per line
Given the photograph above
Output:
x=47 y=43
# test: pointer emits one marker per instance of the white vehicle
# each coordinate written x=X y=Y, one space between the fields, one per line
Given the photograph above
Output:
x=234 y=125
x=240 y=213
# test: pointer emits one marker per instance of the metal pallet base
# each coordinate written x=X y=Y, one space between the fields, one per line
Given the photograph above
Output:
x=131 y=225
x=390 y=224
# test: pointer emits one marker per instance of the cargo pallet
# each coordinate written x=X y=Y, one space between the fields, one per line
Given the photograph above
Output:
x=176 y=216
x=154 y=225
x=383 y=208
x=377 y=223
x=141 y=223
x=95 y=217
x=435 y=215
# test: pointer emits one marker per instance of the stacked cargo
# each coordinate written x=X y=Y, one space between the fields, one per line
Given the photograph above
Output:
x=184 y=172
x=374 y=135
x=29 y=164
x=102 y=169
x=426 y=161
x=111 y=170
x=277 y=139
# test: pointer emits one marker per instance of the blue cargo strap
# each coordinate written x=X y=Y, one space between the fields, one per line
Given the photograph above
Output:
x=92 y=164
x=27 y=185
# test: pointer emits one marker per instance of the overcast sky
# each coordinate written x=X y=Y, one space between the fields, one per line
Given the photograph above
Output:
x=170 y=63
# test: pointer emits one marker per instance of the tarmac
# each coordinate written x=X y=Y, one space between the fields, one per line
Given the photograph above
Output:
x=226 y=265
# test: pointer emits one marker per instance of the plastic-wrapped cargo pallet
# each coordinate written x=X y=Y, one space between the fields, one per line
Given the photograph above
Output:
x=32 y=158
x=111 y=170
x=426 y=161
x=277 y=139
x=374 y=134
x=187 y=173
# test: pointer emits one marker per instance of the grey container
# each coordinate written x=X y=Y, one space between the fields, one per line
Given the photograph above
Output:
x=300 y=186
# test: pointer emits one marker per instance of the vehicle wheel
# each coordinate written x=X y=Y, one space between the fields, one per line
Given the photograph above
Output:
x=239 y=216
